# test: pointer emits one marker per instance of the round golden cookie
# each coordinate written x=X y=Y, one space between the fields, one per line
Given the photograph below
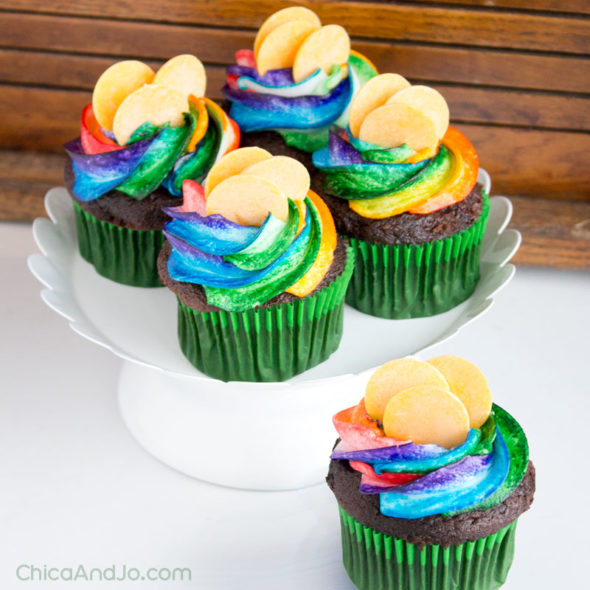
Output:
x=469 y=384
x=429 y=101
x=284 y=16
x=279 y=48
x=115 y=85
x=395 y=376
x=184 y=73
x=290 y=175
x=392 y=125
x=424 y=415
x=152 y=103
x=247 y=200
x=321 y=49
x=374 y=93
x=233 y=163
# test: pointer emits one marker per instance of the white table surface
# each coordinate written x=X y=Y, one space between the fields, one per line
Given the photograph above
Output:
x=76 y=489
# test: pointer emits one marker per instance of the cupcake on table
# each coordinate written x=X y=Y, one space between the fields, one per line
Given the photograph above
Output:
x=258 y=270
x=431 y=478
x=143 y=135
x=297 y=81
x=402 y=186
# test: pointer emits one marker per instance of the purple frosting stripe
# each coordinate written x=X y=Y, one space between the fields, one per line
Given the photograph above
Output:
x=282 y=77
x=97 y=174
x=342 y=153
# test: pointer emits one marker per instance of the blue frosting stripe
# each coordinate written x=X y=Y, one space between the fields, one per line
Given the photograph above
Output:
x=213 y=234
x=453 y=487
x=410 y=457
x=97 y=174
x=254 y=112
x=263 y=262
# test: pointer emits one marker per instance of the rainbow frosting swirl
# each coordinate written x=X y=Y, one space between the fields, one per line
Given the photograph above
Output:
x=301 y=112
x=154 y=156
x=418 y=480
x=240 y=266
x=380 y=183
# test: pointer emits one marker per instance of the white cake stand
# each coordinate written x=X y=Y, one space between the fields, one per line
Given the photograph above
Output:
x=258 y=436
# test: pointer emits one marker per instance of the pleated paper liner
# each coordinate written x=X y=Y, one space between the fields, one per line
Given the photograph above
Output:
x=417 y=280
x=375 y=561
x=271 y=343
x=127 y=256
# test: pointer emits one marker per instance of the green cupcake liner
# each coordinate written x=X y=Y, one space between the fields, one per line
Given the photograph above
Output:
x=267 y=343
x=375 y=561
x=127 y=256
x=417 y=280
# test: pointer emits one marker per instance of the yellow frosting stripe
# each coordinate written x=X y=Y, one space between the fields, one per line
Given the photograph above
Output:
x=302 y=212
x=414 y=195
x=314 y=276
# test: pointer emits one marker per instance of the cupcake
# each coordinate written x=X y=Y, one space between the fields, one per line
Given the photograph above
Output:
x=296 y=83
x=402 y=186
x=430 y=477
x=259 y=273
x=142 y=136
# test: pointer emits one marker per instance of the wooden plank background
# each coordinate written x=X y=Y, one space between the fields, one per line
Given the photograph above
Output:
x=516 y=76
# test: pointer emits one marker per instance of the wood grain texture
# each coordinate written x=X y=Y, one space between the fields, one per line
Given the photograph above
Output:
x=120 y=39
x=553 y=235
x=521 y=161
x=77 y=72
x=539 y=110
x=467 y=104
x=567 y=6
x=389 y=20
x=533 y=162
x=515 y=74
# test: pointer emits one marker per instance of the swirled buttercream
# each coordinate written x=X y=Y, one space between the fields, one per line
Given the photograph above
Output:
x=380 y=183
x=240 y=266
x=418 y=480
x=301 y=112
x=154 y=156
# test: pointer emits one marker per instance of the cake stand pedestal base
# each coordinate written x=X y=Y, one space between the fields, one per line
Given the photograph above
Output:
x=261 y=439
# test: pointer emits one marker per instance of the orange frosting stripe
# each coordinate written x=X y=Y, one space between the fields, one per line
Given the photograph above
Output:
x=463 y=179
x=202 y=122
x=313 y=277
x=358 y=415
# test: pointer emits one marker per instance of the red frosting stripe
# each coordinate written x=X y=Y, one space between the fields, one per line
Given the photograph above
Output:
x=94 y=141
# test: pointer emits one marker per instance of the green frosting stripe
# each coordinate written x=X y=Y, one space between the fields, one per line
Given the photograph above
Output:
x=270 y=244
x=307 y=141
x=302 y=256
x=266 y=343
x=159 y=159
x=365 y=181
x=488 y=436
x=375 y=561
x=417 y=280
x=518 y=449
x=127 y=256
x=195 y=165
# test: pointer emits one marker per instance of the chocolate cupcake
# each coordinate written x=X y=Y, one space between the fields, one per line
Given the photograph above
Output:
x=141 y=137
x=259 y=273
x=296 y=83
x=402 y=186
x=430 y=478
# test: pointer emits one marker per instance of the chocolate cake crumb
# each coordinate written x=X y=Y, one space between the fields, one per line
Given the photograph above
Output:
x=406 y=228
x=120 y=209
x=430 y=530
x=194 y=296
